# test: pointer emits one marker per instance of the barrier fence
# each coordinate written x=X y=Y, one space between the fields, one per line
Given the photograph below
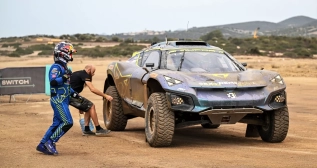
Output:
x=24 y=80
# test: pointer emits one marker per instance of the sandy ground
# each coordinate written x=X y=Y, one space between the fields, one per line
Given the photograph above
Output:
x=24 y=123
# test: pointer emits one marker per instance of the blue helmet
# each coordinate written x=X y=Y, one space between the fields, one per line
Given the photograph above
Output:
x=63 y=51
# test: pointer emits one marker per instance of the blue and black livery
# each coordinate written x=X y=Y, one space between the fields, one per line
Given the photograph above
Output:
x=180 y=83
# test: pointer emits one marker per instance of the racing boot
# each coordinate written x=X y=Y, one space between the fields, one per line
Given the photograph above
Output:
x=41 y=148
x=50 y=147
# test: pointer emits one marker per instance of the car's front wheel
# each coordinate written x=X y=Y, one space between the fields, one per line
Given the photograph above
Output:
x=275 y=125
x=113 y=115
x=159 y=121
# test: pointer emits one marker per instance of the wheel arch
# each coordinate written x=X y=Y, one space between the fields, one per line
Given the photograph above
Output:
x=152 y=86
x=108 y=82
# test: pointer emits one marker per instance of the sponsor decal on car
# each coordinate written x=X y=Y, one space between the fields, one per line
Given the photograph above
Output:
x=220 y=75
x=232 y=95
x=209 y=83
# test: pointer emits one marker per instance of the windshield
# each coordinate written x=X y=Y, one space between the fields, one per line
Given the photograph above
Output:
x=196 y=61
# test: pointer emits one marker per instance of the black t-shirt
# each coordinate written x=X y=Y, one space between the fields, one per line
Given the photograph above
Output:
x=78 y=79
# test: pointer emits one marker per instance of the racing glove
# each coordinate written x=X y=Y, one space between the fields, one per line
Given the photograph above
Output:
x=67 y=75
x=69 y=72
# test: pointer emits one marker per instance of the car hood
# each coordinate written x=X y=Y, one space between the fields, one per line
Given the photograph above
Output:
x=243 y=79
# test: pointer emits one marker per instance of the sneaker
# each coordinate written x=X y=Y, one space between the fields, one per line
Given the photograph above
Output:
x=87 y=133
x=102 y=132
x=50 y=147
x=41 y=148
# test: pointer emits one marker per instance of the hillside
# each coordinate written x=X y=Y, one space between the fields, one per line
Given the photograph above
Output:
x=297 y=21
x=306 y=30
x=294 y=26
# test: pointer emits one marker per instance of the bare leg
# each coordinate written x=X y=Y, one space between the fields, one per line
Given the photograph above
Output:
x=91 y=114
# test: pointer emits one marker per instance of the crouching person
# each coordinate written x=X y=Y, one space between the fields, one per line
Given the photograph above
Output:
x=78 y=80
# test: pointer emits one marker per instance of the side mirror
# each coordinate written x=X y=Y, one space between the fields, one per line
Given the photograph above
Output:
x=244 y=64
x=149 y=65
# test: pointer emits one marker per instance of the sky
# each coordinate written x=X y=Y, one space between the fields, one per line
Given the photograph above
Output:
x=30 y=17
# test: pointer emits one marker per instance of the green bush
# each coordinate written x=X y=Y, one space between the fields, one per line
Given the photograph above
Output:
x=236 y=41
x=303 y=52
x=115 y=39
x=214 y=34
x=42 y=47
x=129 y=40
x=27 y=39
x=9 y=39
x=101 y=39
x=13 y=54
x=123 y=49
x=290 y=54
x=21 y=51
x=46 y=52
x=301 y=46
x=4 y=52
x=15 y=45
x=254 y=51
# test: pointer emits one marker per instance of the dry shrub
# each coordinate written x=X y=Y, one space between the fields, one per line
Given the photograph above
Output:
x=275 y=66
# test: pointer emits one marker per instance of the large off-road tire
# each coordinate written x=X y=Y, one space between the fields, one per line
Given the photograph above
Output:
x=210 y=126
x=113 y=115
x=159 y=121
x=275 y=125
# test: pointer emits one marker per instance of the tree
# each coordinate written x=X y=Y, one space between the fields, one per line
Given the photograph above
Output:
x=129 y=40
x=217 y=34
x=236 y=41
x=115 y=39
x=155 y=39
x=101 y=39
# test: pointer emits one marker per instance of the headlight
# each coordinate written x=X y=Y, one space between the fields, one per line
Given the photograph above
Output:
x=180 y=102
x=278 y=100
x=176 y=100
x=277 y=79
x=171 y=81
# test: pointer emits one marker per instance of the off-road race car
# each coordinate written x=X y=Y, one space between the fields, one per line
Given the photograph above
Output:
x=182 y=83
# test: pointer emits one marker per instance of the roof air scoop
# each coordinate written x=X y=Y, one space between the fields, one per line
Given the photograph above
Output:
x=191 y=43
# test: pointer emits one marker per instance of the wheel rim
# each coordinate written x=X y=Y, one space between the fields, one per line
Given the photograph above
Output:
x=151 y=120
x=266 y=123
x=109 y=111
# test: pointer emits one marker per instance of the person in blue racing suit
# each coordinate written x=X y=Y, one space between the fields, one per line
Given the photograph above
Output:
x=60 y=95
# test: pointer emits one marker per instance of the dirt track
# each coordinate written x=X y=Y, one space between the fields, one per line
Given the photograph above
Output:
x=23 y=125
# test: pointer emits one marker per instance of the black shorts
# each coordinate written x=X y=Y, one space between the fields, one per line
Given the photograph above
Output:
x=81 y=103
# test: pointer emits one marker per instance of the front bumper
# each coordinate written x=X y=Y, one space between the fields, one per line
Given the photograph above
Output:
x=216 y=101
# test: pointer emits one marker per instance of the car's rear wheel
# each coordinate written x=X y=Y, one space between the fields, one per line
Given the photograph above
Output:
x=275 y=125
x=113 y=115
x=159 y=121
x=210 y=126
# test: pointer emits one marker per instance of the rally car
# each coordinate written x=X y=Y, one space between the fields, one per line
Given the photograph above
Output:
x=175 y=84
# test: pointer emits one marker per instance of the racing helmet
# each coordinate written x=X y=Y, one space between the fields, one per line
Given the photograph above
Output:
x=63 y=51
